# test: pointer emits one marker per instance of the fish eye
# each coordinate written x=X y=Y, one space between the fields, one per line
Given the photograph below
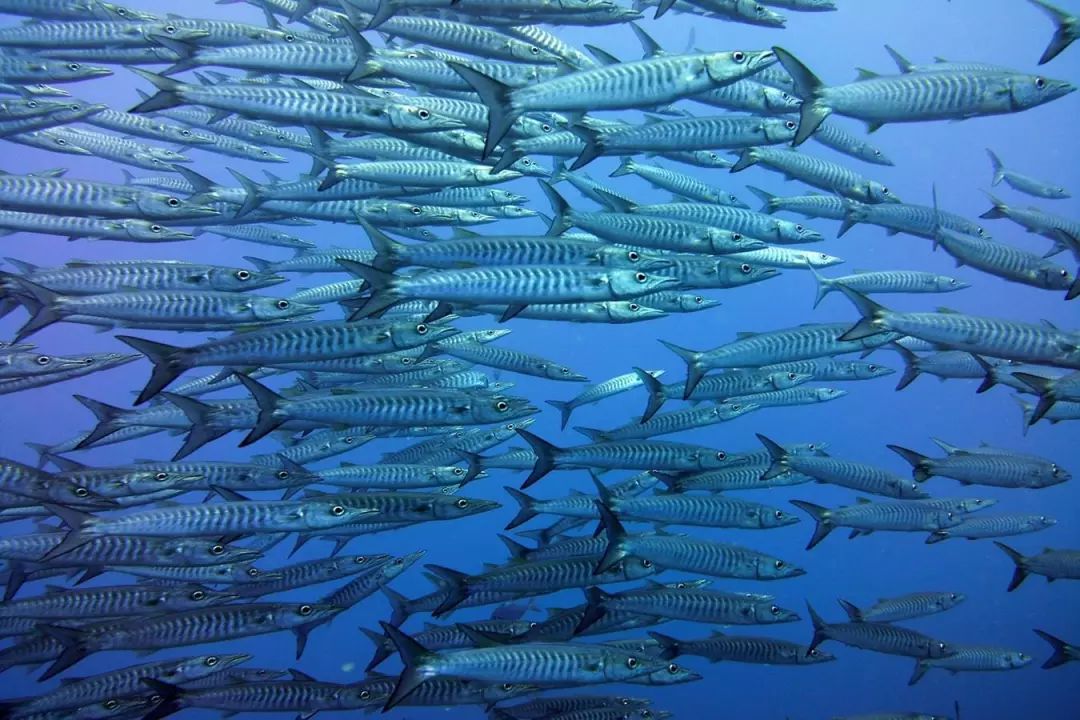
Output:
x=745 y=268
x=31 y=103
x=811 y=446
x=282 y=474
x=564 y=371
x=74 y=66
x=289 y=37
x=1064 y=273
x=360 y=559
x=243 y=274
x=673 y=668
x=43 y=360
x=185 y=132
x=534 y=50
x=423 y=114
x=337 y=511
x=721 y=455
x=738 y=56
x=170 y=28
x=507 y=687
x=631 y=662
x=462 y=503
x=502 y=406
x=634 y=307
x=364 y=694
x=641 y=277
x=1042 y=518
x=546 y=128
x=305 y=610
x=217 y=549
x=774 y=610
x=791 y=376
x=172 y=202
x=633 y=256
x=110 y=704
x=198 y=595
x=81 y=492
x=646 y=563
x=790 y=124
x=952 y=596
x=884 y=190
x=736 y=407
x=779 y=564
x=161 y=476
x=1040 y=83
x=736 y=236
x=415 y=210
x=421 y=329
x=60 y=141
x=698 y=299
x=211 y=661
x=407 y=361
x=458 y=471
x=348 y=439
x=872 y=368
x=779 y=514
x=941 y=646
x=813 y=652
x=282 y=304
x=253 y=572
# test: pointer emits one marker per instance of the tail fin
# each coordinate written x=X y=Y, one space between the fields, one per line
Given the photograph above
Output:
x=999 y=169
x=42 y=303
x=383 y=295
x=76 y=537
x=202 y=430
x=820 y=516
x=1020 y=571
x=594 y=609
x=169 y=362
x=669 y=646
x=253 y=196
x=497 y=97
x=853 y=612
x=989 y=374
x=453 y=581
x=626 y=164
x=517 y=550
x=1074 y=289
x=564 y=407
x=807 y=86
x=387 y=250
x=921 y=667
x=545 y=456
x=911 y=366
x=746 y=159
x=824 y=285
x=920 y=464
x=902 y=63
x=167 y=96
x=1061 y=650
x=768 y=200
x=695 y=370
x=655 y=389
x=559 y=208
x=382 y=651
x=1064 y=30
x=1044 y=388
x=779 y=457
x=107 y=415
x=593 y=434
x=1026 y=409
x=399 y=605
x=525 y=508
x=871 y=313
x=999 y=209
x=937 y=536
x=594 y=144
x=819 y=627
x=75 y=648
x=616 y=536
x=268 y=402
x=413 y=655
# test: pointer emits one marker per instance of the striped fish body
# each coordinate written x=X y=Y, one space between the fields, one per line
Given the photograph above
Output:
x=812 y=206
x=749 y=223
x=750 y=95
x=786 y=257
x=271 y=696
x=510 y=250
x=662 y=233
x=696 y=134
x=392 y=477
x=1000 y=470
x=80 y=366
x=402 y=407
x=831 y=370
x=903 y=516
x=643 y=454
x=107 y=277
x=117 y=601
x=806 y=342
x=855 y=475
x=470 y=197
x=566 y=548
x=75 y=227
x=1005 y=261
x=672 y=422
x=608 y=311
x=818 y=172
x=125 y=550
x=898 y=281
x=540 y=664
x=1054 y=564
x=973 y=658
x=708 y=558
x=424 y=173
x=706 y=510
x=904 y=607
x=548 y=706
x=736 y=478
x=313 y=573
x=697 y=605
x=541 y=577
x=59 y=196
x=84 y=33
x=881 y=637
x=917 y=220
x=182 y=308
x=699 y=272
x=994 y=526
x=749 y=649
x=681 y=184
x=833 y=136
x=512 y=360
x=148 y=127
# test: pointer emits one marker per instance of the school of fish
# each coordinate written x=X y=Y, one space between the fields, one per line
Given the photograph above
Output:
x=402 y=118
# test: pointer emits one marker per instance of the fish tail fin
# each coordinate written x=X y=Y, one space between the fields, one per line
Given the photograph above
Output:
x=997 y=166
x=853 y=612
x=1020 y=570
x=768 y=200
x=921 y=667
x=167 y=96
x=819 y=626
x=383 y=12
x=399 y=605
x=363 y=67
x=268 y=402
x=203 y=430
x=871 y=313
x=253 y=196
x=824 y=285
x=594 y=144
x=42 y=304
x=808 y=86
x=171 y=698
x=387 y=250
x=669 y=646
x=1026 y=409
x=517 y=550
x=672 y=482
x=525 y=508
x=937 y=536
x=694 y=369
x=381 y=650
x=920 y=465
x=626 y=167
x=456 y=583
x=616 y=536
x=414 y=656
x=565 y=408
x=989 y=375
x=1060 y=647
x=1074 y=289
x=593 y=434
x=559 y=208
x=321 y=156
x=73 y=641
x=76 y=537
x=475 y=466
x=106 y=415
x=1044 y=388
x=383 y=294
x=168 y=360
x=1064 y=30
x=655 y=390
x=820 y=515
x=999 y=209
x=746 y=158
x=911 y=366
x=779 y=457
x=545 y=456
x=902 y=63
x=497 y=97
x=594 y=609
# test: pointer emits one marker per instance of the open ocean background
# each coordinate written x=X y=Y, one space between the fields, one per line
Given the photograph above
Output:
x=1043 y=142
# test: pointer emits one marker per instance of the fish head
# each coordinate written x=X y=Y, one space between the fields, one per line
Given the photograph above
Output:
x=148 y=231
x=821 y=260
x=1053 y=277
x=366 y=562
x=529 y=168
x=878 y=193
x=505 y=691
x=368 y=693
x=148 y=480
x=775 y=517
x=325 y=513
x=113 y=707
x=27 y=107
x=42 y=364
x=304 y=613
x=635 y=568
x=65 y=491
x=500 y=408
x=58 y=142
x=813 y=655
x=398 y=565
x=614 y=256
x=190 y=598
x=945 y=601
x=406 y=117
x=406 y=335
x=723 y=67
x=827 y=394
x=769 y=568
x=527 y=52
x=794 y=232
x=745 y=273
x=692 y=303
x=908 y=490
x=666 y=673
x=938 y=649
x=970 y=505
x=156 y=204
x=72 y=70
x=1028 y=91
x=276 y=309
x=627 y=311
x=631 y=283
x=450 y=507
x=236 y=279
x=199 y=666
x=779 y=101
x=770 y=612
x=512 y=212
x=779 y=130
x=722 y=241
x=247 y=573
x=1014 y=659
x=783 y=380
x=205 y=552
x=868 y=370
x=730 y=410
x=755 y=13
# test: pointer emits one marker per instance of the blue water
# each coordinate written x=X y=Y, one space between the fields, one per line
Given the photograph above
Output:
x=1042 y=142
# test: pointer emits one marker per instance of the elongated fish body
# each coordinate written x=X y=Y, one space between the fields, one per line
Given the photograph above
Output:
x=444 y=637
x=705 y=510
x=1023 y=183
x=994 y=526
x=420 y=173
x=812 y=206
x=832 y=370
x=392 y=477
x=87 y=33
x=833 y=136
x=470 y=197
x=103 y=602
x=512 y=360
x=126 y=550
x=679 y=183
x=918 y=220
x=57 y=196
x=818 y=172
x=672 y=422
x=749 y=223
x=1060 y=230
x=83 y=365
x=709 y=558
x=791 y=396
x=313 y=572
x=892 y=281
x=836 y=471
x=750 y=95
x=699 y=272
x=736 y=478
x=915 y=97
x=694 y=604
x=607 y=311
x=972 y=658
x=719 y=647
x=575 y=505
x=600 y=391
x=84 y=278
x=785 y=257
x=872 y=516
x=543 y=707
x=904 y=607
x=1050 y=563
x=1005 y=261
x=1002 y=470
x=878 y=637
x=294 y=695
